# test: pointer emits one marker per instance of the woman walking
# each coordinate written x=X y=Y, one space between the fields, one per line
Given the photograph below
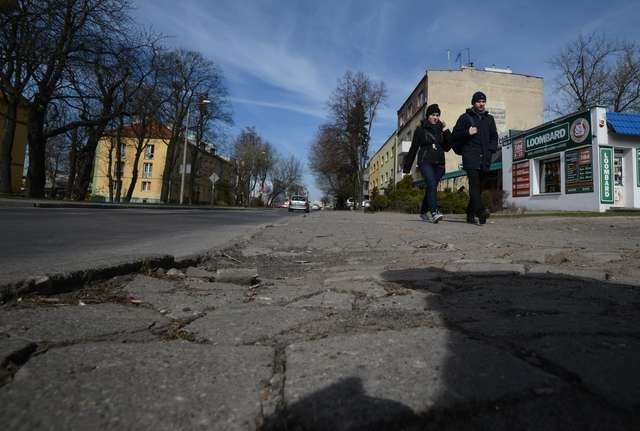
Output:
x=430 y=141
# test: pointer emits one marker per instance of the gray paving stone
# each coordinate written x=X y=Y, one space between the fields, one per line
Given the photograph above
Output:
x=606 y=365
x=412 y=301
x=10 y=346
x=159 y=386
x=248 y=324
x=364 y=378
x=242 y=276
x=369 y=288
x=194 y=272
x=143 y=284
x=75 y=322
x=327 y=299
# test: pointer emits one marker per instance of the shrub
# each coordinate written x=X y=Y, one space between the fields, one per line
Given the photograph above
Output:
x=453 y=202
x=379 y=203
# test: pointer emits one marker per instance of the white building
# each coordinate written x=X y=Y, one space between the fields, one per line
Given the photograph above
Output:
x=585 y=161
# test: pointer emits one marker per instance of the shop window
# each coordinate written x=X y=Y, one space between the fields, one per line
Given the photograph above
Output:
x=550 y=175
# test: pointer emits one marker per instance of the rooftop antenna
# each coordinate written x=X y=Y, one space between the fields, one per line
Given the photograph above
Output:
x=449 y=58
x=469 y=57
x=459 y=59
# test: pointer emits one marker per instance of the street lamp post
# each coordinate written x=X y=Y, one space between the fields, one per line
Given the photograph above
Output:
x=184 y=150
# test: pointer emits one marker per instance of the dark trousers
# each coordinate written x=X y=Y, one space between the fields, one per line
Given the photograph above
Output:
x=431 y=174
x=475 y=207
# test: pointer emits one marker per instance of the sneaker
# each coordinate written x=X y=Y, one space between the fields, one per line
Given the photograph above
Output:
x=436 y=216
x=425 y=217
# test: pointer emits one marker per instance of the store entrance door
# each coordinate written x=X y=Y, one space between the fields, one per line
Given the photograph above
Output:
x=618 y=178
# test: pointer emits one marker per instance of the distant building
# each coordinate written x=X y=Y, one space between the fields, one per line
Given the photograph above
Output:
x=516 y=102
x=151 y=164
x=584 y=161
x=19 y=143
x=381 y=166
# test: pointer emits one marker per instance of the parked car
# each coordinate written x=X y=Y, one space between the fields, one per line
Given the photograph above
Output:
x=350 y=203
x=366 y=203
x=299 y=203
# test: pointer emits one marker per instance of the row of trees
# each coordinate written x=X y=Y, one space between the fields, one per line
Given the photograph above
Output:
x=340 y=150
x=596 y=70
x=82 y=68
x=261 y=169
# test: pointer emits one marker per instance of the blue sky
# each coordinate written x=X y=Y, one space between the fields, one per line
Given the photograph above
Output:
x=282 y=58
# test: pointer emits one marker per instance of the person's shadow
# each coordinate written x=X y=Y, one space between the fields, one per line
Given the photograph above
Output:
x=341 y=406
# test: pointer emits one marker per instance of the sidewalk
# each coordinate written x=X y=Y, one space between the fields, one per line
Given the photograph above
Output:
x=52 y=203
x=344 y=320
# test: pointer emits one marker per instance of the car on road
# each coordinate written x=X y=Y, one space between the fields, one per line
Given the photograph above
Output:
x=298 y=203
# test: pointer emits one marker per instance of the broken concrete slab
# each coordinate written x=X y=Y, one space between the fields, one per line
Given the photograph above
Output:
x=73 y=322
x=327 y=299
x=143 y=284
x=364 y=378
x=160 y=386
x=243 y=276
x=248 y=324
x=193 y=272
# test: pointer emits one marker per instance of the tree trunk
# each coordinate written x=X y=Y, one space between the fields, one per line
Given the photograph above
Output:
x=6 y=147
x=168 y=170
x=87 y=157
x=37 y=147
x=73 y=168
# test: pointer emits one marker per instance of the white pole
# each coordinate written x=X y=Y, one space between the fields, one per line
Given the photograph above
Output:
x=184 y=158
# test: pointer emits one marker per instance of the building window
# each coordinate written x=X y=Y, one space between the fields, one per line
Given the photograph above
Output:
x=148 y=152
x=123 y=149
x=116 y=186
x=118 y=169
x=146 y=186
x=146 y=170
x=550 y=175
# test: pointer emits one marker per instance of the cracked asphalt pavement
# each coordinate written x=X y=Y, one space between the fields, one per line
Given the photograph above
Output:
x=345 y=321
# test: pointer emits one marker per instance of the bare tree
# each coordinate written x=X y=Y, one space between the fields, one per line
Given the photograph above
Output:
x=595 y=71
x=353 y=106
x=285 y=175
x=329 y=161
x=192 y=78
x=254 y=159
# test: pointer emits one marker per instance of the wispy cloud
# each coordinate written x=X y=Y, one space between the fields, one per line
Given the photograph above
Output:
x=288 y=107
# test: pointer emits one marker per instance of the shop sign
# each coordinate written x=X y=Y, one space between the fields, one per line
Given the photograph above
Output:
x=574 y=131
x=521 y=181
x=606 y=175
x=638 y=167
x=578 y=168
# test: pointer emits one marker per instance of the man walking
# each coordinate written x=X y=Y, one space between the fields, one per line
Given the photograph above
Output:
x=476 y=135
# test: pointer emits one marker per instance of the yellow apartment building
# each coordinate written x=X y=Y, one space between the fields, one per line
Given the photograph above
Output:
x=19 y=143
x=151 y=166
x=515 y=101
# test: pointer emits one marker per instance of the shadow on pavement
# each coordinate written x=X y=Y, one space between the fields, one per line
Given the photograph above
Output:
x=533 y=352
x=512 y=352
x=342 y=406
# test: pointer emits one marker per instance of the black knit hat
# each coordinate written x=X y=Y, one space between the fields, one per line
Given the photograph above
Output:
x=478 y=95
x=432 y=109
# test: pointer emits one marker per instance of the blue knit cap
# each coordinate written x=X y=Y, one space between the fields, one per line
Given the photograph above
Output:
x=478 y=95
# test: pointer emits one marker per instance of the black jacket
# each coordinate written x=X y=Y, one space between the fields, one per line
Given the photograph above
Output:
x=430 y=143
x=478 y=149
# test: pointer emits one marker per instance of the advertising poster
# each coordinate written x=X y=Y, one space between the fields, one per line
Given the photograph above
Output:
x=578 y=167
x=521 y=182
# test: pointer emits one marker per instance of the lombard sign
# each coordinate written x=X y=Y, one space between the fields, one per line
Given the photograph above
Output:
x=574 y=131
x=606 y=175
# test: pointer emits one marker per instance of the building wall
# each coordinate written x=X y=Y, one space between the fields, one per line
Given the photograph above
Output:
x=100 y=185
x=381 y=167
x=19 y=144
x=515 y=100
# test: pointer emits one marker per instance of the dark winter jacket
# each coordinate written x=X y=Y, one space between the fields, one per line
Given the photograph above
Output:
x=429 y=142
x=478 y=149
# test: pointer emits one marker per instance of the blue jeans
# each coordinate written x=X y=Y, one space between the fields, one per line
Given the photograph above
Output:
x=431 y=174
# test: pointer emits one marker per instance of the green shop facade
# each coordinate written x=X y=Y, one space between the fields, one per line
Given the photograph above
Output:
x=585 y=161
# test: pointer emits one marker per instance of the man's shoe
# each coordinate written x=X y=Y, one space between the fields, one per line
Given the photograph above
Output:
x=436 y=216
x=425 y=217
x=482 y=217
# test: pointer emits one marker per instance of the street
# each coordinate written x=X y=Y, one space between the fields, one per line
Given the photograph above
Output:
x=38 y=241
x=342 y=321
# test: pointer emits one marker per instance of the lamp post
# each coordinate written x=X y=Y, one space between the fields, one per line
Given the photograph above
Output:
x=184 y=150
